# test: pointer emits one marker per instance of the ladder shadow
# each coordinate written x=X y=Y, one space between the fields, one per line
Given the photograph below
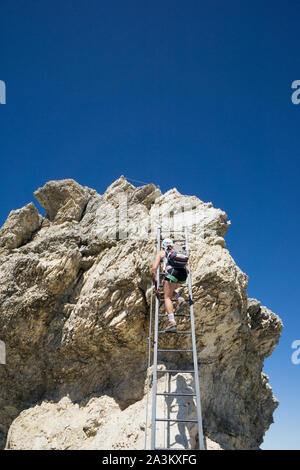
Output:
x=186 y=410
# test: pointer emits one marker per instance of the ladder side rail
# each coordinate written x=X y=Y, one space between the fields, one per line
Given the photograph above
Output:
x=148 y=369
x=195 y=359
x=153 y=429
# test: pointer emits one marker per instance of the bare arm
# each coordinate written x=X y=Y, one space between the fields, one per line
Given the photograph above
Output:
x=159 y=256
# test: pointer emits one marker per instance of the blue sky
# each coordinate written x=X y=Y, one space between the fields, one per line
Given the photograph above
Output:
x=194 y=95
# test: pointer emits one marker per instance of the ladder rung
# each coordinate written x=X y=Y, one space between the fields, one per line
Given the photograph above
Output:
x=176 y=332
x=169 y=394
x=174 y=350
x=180 y=287
x=177 y=420
x=175 y=315
x=162 y=371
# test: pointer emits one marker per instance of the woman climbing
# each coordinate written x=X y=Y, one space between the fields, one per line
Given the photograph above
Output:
x=175 y=274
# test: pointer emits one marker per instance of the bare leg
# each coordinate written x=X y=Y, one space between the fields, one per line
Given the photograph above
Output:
x=177 y=297
x=181 y=301
x=169 y=289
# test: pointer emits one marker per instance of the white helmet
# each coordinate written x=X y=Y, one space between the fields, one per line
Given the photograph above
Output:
x=167 y=242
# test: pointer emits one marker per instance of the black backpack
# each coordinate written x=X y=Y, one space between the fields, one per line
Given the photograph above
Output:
x=176 y=259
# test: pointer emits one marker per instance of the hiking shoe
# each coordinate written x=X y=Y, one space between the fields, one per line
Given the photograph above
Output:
x=181 y=306
x=171 y=328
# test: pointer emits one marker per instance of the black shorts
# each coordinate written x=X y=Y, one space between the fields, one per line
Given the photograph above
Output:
x=175 y=275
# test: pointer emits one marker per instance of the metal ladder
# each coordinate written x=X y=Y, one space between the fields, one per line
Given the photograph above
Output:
x=156 y=351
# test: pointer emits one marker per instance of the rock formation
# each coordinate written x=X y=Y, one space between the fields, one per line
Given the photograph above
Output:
x=75 y=294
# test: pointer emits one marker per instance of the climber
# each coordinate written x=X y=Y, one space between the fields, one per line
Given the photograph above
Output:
x=175 y=274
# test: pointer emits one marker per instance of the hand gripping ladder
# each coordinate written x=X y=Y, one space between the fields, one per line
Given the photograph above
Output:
x=156 y=419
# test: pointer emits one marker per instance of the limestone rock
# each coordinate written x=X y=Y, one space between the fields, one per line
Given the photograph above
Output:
x=99 y=423
x=63 y=200
x=265 y=327
x=20 y=226
x=253 y=306
x=75 y=295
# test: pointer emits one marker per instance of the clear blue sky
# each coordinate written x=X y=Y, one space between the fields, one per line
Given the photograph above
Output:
x=194 y=95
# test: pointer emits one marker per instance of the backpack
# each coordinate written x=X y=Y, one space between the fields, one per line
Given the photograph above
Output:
x=176 y=259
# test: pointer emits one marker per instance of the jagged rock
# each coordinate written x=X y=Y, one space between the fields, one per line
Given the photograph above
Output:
x=265 y=328
x=63 y=200
x=146 y=195
x=74 y=314
x=100 y=423
x=19 y=226
x=253 y=306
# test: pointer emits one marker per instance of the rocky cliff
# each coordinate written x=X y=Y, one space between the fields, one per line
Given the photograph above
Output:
x=75 y=294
